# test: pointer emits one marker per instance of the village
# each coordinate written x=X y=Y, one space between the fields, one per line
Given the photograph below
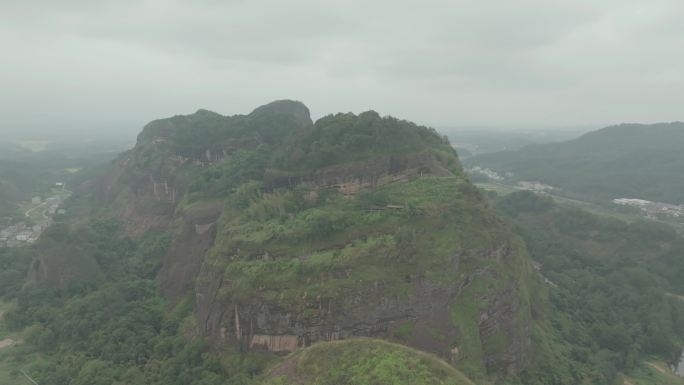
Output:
x=38 y=214
x=652 y=209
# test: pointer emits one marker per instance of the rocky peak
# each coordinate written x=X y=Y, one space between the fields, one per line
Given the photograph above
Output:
x=291 y=108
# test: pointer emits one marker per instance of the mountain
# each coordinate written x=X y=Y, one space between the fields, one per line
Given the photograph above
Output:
x=628 y=160
x=267 y=233
x=470 y=141
x=296 y=232
x=286 y=232
x=267 y=248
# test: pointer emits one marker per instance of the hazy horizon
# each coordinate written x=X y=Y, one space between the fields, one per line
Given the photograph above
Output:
x=83 y=66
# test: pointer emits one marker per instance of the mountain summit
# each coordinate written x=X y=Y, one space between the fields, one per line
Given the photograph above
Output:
x=285 y=233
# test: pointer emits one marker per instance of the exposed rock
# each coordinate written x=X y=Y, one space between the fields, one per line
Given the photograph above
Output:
x=283 y=343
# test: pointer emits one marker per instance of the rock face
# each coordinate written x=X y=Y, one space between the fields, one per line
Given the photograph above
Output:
x=290 y=232
x=501 y=324
x=185 y=255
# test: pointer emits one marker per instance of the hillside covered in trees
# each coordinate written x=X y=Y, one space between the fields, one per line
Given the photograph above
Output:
x=628 y=160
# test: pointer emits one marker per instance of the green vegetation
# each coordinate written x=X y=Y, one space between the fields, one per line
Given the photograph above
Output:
x=338 y=234
x=14 y=264
x=344 y=138
x=340 y=139
x=115 y=330
x=630 y=160
x=364 y=362
x=323 y=224
x=92 y=312
x=608 y=289
x=652 y=373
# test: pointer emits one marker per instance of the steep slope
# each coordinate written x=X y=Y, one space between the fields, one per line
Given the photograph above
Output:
x=629 y=160
x=290 y=232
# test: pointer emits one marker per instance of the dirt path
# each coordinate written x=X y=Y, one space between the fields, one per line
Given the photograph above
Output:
x=658 y=368
x=6 y=343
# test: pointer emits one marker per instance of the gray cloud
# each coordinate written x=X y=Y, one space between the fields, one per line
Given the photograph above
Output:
x=98 y=65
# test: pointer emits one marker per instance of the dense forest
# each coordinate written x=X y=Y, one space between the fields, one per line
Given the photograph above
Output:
x=113 y=330
x=614 y=287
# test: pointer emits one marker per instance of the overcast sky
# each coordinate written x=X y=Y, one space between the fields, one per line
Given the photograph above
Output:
x=115 y=65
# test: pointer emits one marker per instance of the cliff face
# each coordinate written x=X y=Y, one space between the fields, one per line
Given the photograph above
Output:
x=455 y=289
x=146 y=184
x=290 y=232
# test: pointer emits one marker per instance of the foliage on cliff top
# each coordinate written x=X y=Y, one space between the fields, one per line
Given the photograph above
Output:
x=364 y=362
x=281 y=137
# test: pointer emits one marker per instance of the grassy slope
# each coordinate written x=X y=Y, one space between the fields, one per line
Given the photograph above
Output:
x=364 y=361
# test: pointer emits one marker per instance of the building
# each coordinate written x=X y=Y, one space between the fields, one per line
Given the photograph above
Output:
x=535 y=186
x=23 y=236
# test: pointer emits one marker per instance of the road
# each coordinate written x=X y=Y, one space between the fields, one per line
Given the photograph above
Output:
x=28 y=212
x=28 y=377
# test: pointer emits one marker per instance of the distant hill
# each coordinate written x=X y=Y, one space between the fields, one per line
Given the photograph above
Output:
x=483 y=140
x=628 y=160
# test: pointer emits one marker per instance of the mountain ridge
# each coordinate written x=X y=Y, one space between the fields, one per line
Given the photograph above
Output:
x=627 y=160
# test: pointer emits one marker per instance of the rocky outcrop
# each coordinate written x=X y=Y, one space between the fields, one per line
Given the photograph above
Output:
x=281 y=343
x=370 y=312
x=351 y=177
x=374 y=311
x=184 y=257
